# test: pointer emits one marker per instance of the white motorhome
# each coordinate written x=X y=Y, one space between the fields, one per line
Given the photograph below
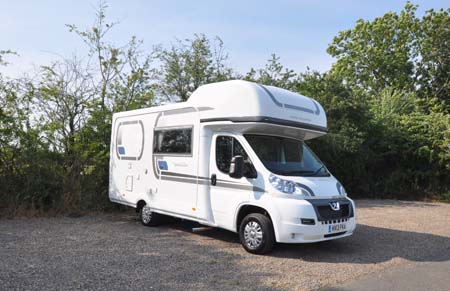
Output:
x=232 y=156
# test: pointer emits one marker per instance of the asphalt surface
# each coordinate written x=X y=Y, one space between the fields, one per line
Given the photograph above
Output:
x=398 y=245
x=422 y=276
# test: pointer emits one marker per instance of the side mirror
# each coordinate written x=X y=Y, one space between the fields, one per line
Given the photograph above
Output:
x=236 y=167
x=249 y=170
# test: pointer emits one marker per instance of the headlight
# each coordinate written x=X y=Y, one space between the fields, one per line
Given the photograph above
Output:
x=287 y=186
x=341 y=189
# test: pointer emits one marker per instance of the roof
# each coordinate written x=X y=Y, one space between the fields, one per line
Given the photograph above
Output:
x=243 y=101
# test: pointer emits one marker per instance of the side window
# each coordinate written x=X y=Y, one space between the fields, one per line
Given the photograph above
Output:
x=226 y=148
x=173 y=141
x=130 y=140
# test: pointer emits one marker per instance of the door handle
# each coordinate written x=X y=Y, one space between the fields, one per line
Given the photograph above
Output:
x=213 y=179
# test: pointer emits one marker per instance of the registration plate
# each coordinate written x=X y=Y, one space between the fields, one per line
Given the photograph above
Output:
x=339 y=227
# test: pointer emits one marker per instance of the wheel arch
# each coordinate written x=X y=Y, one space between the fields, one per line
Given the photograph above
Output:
x=246 y=209
x=139 y=204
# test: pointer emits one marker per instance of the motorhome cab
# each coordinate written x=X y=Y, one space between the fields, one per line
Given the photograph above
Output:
x=232 y=156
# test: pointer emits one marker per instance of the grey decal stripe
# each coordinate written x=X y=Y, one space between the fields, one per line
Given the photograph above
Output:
x=155 y=168
x=279 y=104
x=205 y=181
x=307 y=188
x=239 y=187
x=204 y=108
x=179 y=111
x=166 y=173
x=157 y=119
x=129 y=158
x=174 y=174
x=143 y=140
x=317 y=107
x=294 y=107
x=184 y=180
x=129 y=122
x=299 y=108
x=228 y=181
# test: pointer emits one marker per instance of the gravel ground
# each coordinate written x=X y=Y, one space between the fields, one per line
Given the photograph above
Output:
x=116 y=252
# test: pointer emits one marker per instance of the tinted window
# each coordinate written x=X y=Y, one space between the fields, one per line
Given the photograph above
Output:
x=226 y=148
x=173 y=141
x=285 y=156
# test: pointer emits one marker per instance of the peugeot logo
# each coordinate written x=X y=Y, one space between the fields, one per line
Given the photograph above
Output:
x=335 y=206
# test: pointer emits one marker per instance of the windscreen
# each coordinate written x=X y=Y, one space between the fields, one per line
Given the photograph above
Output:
x=286 y=156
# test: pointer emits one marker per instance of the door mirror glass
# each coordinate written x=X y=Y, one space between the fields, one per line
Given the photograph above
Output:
x=237 y=167
x=249 y=170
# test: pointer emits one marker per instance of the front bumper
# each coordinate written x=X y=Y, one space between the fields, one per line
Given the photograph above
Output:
x=290 y=229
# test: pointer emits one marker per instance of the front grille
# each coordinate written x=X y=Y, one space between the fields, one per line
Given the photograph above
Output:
x=325 y=213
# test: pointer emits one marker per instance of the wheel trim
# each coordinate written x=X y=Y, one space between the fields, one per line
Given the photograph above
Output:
x=146 y=214
x=253 y=234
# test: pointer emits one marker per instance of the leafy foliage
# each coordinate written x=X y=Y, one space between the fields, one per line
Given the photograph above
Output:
x=188 y=64
x=401 y=51
x=273 y=74
x=386 y=98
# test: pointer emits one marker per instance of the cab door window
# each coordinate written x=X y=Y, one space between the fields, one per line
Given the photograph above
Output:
x=226 y=148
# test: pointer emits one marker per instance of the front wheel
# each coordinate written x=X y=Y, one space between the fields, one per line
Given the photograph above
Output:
x=148 y=217
x=256 y=234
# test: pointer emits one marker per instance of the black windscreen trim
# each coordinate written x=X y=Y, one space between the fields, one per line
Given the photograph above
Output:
x=270 y=120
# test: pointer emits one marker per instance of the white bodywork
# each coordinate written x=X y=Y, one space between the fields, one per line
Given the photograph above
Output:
x=180 y=184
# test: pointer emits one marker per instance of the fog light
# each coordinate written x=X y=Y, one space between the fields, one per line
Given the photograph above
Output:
x=308 y=221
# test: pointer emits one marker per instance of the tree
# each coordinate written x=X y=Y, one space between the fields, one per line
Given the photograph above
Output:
x=273 y=74
x=434 y=65
x=28 y=175
x=122 y=80
x=379 y=53
x=62 y=97
x=400 y=51
x=188 y=64
x=4 y=53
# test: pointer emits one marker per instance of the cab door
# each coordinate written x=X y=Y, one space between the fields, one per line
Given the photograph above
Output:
x=227 y=193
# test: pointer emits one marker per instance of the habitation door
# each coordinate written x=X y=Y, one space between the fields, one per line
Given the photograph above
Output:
x=226 y=193
x=176 y=160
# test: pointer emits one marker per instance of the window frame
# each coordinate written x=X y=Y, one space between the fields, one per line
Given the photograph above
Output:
x=169 y=128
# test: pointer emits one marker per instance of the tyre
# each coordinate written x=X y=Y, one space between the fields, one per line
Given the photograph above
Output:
x=148 y=217
x=256 y=234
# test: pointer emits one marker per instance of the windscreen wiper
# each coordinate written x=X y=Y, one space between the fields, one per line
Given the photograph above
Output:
x=318 y=170
x=298 y=172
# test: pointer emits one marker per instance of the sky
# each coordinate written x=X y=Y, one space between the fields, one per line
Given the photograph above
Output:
x=299 y=32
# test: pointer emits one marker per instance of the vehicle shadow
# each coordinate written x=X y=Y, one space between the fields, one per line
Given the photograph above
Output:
x=368 y=245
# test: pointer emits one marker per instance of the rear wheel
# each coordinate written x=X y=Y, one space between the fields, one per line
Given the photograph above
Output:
x=148 y=217
x=256 y=234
